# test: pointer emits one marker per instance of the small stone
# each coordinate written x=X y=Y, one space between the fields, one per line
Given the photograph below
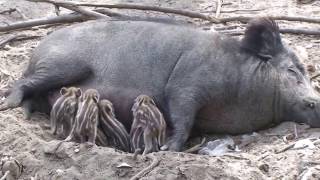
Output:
x=124 y=165
x=264 y=167
x=59 y=172
x=77 y=150
x=288 y=138
x=311 y=68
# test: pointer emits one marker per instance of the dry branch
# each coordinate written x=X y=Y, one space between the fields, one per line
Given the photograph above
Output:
x=240 y=10
x=226 y=27
x=196 y=147
x=67 y=18
x=300 y=31
x=73 y=7
x=57 y=10
x=23 y=16
x=315 y=76
x=146 y=170
x=190 y=14
x=196 y=14
x=284 y=149
x=218 y=9
x=232 y=32
x=70 y=18
x=5 y=175
x=186 y=13
x=245 y=19
x=282 y=30
x=9 y=11
x=16 y=37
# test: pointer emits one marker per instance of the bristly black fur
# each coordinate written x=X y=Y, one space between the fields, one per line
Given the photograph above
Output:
x=262 y=37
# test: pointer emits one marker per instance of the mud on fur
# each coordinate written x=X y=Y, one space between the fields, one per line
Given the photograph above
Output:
x=114 y=130
x=86 y=122
x=148 y=127
x=64 y=110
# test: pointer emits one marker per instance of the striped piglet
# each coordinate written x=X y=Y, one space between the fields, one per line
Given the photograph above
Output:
x=116 y=133
x=148 y=127
x=86 y=122
x=64 y=110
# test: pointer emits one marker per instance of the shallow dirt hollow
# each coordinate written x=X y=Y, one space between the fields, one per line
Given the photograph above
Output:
x=31 y=143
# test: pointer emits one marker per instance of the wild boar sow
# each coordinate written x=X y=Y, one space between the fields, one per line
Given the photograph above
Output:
x=200 y=80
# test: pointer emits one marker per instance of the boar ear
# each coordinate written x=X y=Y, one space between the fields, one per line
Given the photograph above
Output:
x=262 y=38
x=63 y=90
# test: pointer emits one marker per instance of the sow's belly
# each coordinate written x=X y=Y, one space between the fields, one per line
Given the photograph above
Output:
x=230 y=120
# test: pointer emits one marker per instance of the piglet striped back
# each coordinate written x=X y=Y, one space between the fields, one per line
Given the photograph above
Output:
x=113 y=129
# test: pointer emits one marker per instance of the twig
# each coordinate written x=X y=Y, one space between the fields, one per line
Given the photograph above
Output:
x=315 y=76
x=263 y=157
x=304 y=1
x=236 y=157
x=227 y=3
x=233 y=10
x=190 y=14
x=240 y=10
x=9 y=11
x=16 y=37
x=295 y=131
x=196 y=147
x=57 y=10
x=301 y=31
x=21 y=13
x=281 y=30
x=232 y=32
x=146 y=170
x=245 y=19
x=226 y=28
x=74 y=7
x=316 y=142
x=284 y=149
x=67 y=18
x=219 y=6
x=5 y=175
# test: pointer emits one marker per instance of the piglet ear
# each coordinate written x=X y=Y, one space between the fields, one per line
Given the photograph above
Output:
x=63 y=90
x=262 y=38
x=78 y=92
x=96 y=98
x=152 y=101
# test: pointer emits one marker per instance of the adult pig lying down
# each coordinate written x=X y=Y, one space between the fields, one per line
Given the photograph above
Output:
x=200 y=80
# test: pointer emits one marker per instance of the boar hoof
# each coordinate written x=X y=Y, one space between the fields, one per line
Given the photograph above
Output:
x=9 y=103
x=172 y=145
x=4 y=106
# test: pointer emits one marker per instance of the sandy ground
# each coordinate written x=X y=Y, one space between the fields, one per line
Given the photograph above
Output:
x=31 y=143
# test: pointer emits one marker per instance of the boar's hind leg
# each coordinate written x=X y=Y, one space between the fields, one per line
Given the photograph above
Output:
x=44 y=79
x=183 y=106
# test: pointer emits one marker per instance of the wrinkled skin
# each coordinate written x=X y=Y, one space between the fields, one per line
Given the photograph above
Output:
x=200 y=80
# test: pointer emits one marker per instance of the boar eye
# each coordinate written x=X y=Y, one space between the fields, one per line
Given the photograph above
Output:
x=291 y=69
x=311 y=105
x=296 y=74
x=264 y=57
